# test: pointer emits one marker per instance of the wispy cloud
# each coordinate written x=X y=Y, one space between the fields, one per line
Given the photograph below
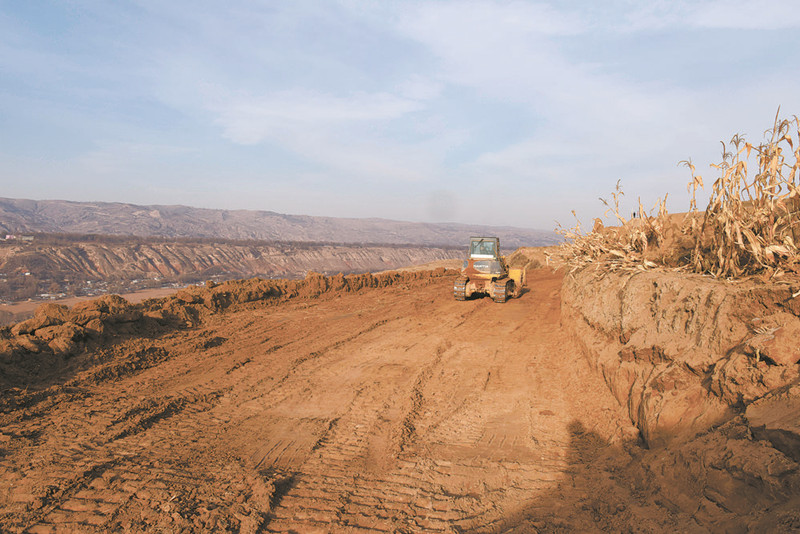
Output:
x=351 y=137
x=380 y=106
x=127 y=158
x=250 y=120
x=578 y=105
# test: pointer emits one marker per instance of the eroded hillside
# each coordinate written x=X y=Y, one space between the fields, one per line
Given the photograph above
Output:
x=80 y=264
x=362 y=404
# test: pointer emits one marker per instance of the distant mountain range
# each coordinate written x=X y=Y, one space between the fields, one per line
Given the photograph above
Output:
x=111 y=218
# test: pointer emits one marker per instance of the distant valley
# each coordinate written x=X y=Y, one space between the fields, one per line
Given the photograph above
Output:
x=54 y=266
x=58 y=249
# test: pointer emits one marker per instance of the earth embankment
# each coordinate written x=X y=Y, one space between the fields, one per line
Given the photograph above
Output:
x=708 y=372
x=683 y=352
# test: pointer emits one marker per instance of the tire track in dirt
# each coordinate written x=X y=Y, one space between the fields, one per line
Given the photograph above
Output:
x=123 y=442
x=408 y=428
x=145 y=471
x=423 y=491
x=327 y=492
x=60 y=510
x=69 y=462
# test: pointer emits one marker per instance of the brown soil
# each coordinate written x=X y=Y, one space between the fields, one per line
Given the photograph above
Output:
x=24 y=310
x=343 y=404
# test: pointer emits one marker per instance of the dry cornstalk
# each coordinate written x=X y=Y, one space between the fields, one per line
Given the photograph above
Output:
x=750 y=225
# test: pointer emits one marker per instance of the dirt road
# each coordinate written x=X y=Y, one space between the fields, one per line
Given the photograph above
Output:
x=395 y=409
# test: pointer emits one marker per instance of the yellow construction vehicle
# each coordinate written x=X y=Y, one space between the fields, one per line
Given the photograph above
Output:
x=485 y=272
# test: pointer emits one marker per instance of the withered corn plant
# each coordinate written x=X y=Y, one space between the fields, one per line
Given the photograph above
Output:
x=751 y=224
x=617 y=247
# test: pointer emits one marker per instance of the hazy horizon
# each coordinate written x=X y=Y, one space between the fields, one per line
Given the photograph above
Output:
x=43 y=200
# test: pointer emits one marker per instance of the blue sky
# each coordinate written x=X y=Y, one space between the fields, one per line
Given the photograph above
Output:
x=491 y=112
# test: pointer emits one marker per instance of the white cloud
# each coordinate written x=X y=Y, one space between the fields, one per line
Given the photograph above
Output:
x=348 y=136
x=578 y=106
x=498 y=47
x=420 y=88
x=658 y=15
x=250 y=120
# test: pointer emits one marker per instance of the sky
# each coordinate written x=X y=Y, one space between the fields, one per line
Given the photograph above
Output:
x=486 y=112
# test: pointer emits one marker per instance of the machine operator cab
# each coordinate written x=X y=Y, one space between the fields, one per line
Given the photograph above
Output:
x=484 y=258
x=484 y=248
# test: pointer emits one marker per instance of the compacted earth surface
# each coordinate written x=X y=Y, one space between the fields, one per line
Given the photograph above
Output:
x=366 y=409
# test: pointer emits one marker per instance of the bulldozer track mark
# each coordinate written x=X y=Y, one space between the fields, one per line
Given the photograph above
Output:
x=408 y=425
x=130 y=365
x=54 y=496
x=239 y=365
x=333 y=346
x=299 y=362
x=324 y=485
x=324 y=493
x=133 y=485
x=142 y=417
x=283 y=453
x=21 y=405
x=286 y=451
x=324 y=436
x=91 y=499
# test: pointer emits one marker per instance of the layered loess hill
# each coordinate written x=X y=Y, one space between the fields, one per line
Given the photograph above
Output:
x=380 y=404
x=75 y=264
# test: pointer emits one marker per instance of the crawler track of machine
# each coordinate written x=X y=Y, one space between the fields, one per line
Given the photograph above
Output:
x=460 y=289
x=500 y=291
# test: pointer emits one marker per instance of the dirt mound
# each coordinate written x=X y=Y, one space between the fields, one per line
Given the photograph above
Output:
x=189 y=305
x=530 y=257
x=38 y=348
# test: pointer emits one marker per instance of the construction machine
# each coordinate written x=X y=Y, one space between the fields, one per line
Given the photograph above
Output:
x=485 y=272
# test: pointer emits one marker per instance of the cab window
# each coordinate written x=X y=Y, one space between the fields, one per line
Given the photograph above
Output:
x=483 y=247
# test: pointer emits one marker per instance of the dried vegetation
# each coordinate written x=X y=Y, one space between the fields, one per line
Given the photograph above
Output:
x=750 y=225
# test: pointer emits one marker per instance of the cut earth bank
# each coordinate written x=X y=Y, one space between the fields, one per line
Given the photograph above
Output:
x=708 y=372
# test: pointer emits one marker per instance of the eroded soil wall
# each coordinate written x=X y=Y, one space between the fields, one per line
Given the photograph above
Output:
x=683 y=353
x=708 y=372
